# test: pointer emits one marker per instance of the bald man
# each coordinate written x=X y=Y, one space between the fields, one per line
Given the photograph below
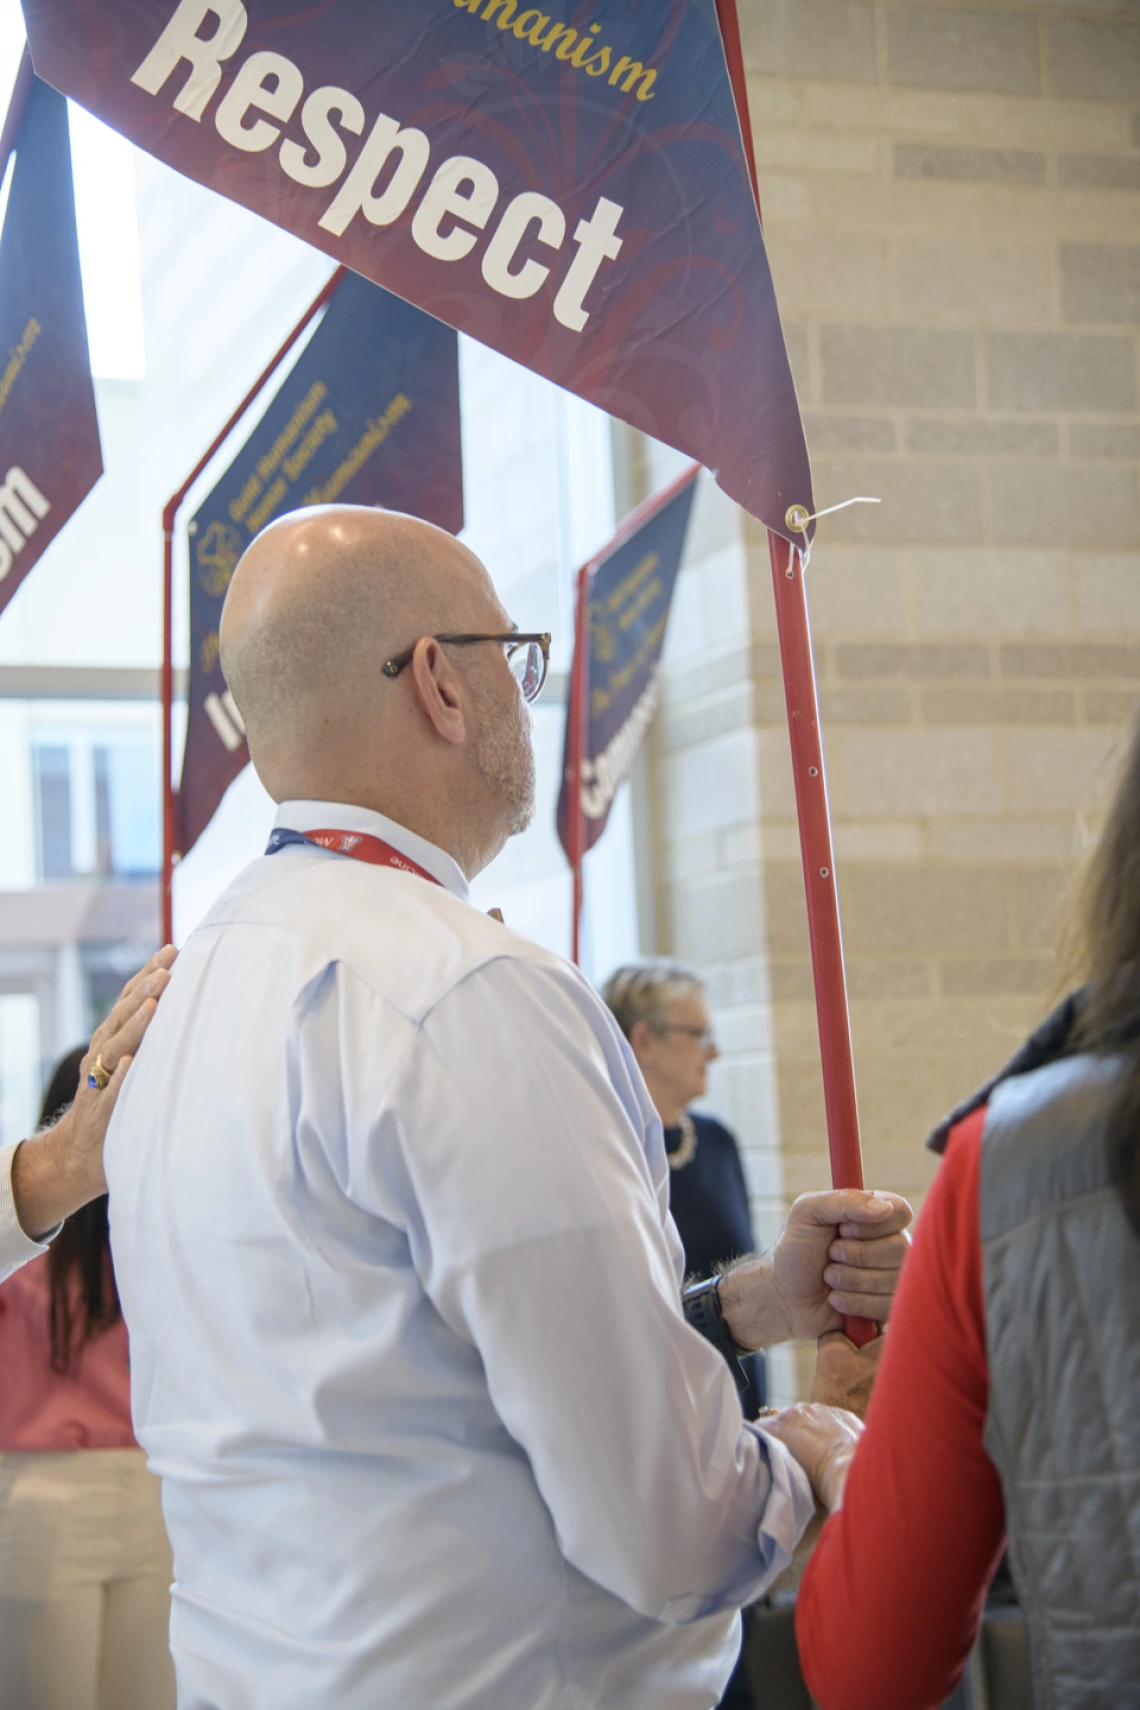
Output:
x=404 y=1296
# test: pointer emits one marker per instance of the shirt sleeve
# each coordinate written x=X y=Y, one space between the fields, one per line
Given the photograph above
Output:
x=892 y=1598
x=520 y=1129
x=16 y=1248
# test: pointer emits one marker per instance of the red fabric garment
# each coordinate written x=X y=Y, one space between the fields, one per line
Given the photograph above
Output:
x=89 y=1408
x=892 y=1598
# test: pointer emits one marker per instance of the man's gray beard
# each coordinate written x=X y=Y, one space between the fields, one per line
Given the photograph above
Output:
x=504 y=758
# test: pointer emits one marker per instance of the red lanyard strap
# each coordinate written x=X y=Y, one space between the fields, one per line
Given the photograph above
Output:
x=357 y=845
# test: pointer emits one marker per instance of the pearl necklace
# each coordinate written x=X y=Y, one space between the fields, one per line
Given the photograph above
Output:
x=687 y=1150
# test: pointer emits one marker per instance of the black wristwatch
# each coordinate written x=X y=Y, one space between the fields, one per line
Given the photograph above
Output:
x=701 y=1303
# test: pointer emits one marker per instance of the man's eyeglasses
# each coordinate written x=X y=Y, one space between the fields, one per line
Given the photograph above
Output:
x=527 y=655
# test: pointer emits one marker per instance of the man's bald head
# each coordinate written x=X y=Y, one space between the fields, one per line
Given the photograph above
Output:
x=317 y=604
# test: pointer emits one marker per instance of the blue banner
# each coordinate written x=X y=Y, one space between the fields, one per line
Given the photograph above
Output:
x=50 y=456
x=368 y=415
x=566 y=183
x=631 y=590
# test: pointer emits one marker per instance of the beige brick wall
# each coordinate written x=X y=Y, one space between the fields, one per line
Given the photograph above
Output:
x=952 y=208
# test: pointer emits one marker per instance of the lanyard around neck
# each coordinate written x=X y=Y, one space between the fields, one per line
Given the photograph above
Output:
x=357 y=845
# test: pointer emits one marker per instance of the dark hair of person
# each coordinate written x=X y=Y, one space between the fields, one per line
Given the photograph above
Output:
x=1105 y=945
x=80 y=1251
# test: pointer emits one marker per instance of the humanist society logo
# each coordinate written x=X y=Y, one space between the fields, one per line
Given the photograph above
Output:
x=217 y=553
x=22 y=509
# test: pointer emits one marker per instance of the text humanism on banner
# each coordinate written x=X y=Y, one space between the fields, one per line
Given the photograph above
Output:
x=567 y=184
x=369 y=414
x=631 y=589
x=50 y=456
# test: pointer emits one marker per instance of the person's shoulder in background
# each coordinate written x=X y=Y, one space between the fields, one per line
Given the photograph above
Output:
x=721 y=1149
x=711 y=1131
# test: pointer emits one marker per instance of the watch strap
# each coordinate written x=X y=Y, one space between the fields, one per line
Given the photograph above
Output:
x=701 y=1304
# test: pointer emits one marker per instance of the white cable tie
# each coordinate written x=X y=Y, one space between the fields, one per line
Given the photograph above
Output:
x=797 y=517
x=860 y=499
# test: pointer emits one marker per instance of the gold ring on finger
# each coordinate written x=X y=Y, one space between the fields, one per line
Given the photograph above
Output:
x=98 y=1075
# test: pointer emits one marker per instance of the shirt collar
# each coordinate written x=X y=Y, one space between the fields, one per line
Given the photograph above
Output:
x=340 y=816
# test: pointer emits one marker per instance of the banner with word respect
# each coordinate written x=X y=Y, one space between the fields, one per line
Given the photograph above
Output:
x=631 y=590
x=368 y=415
x=50 y=456
x=567 y=184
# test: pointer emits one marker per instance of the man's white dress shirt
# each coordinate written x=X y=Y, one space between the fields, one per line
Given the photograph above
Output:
x=15 y=1247
x=389 y=1211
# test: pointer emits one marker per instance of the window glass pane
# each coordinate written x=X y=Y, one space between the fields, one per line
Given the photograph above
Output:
x=19 y=1065
x=135 y=816
x=106 y=220
x=104 y=858
x=52 y=766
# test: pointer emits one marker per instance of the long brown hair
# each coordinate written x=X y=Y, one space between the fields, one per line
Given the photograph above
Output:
x=1104 y=945
x=80 y=1252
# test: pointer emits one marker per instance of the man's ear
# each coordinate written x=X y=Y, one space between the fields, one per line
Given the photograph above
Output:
x=437 y=687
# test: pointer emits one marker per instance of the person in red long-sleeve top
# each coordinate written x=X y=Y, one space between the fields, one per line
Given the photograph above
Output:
x=900 y=1574
x=1008 y=1394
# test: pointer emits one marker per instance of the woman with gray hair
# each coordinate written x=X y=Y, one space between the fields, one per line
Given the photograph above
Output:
x=661 y=1008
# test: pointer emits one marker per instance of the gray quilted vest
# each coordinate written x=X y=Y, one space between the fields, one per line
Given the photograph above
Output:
x=1061 y=1270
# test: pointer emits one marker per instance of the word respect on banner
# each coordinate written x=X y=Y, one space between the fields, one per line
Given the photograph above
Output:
x=563 y=180
x=461 y=195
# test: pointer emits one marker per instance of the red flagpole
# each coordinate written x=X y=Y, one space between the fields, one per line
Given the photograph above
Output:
x=798 y=666
x=169 y=515
x=813 y=813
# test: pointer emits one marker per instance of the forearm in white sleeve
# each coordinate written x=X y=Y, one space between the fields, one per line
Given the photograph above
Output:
x=542 y=1240
x=16 y=1248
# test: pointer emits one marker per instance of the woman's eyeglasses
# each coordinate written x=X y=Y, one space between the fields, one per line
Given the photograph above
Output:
x=527 y=655
x=704 y=1034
